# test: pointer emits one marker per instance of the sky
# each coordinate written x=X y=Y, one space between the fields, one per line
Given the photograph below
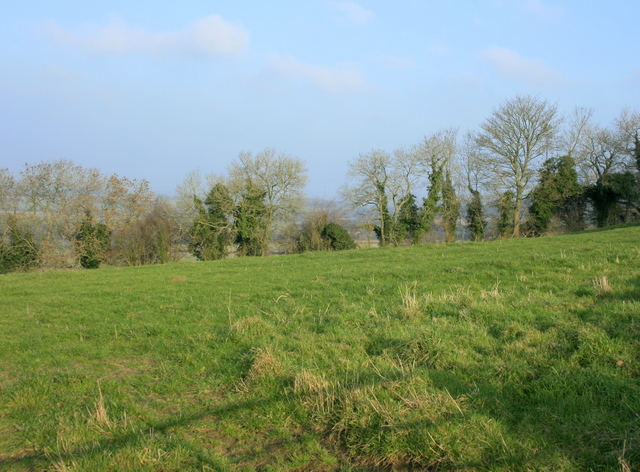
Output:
x=157 y=89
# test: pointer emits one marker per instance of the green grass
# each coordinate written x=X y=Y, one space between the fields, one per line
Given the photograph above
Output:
x=501 y=356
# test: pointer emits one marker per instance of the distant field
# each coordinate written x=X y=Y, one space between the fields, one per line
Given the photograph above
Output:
x=514 y=355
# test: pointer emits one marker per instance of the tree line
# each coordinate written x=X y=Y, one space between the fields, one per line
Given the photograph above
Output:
x=525 y=172
x=523 y=168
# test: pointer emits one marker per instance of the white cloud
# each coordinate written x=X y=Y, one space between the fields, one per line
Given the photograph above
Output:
x=510 y=64
x=211 y=36
x=355 y=13
x=330 y=79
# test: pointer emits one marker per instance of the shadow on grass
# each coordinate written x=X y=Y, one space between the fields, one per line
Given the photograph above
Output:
x=108 y=446
x=575 y=413
x=589 y=426
x=611 y=228
x=632 y=295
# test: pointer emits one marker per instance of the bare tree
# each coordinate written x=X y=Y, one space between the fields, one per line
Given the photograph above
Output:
x=384 y=183
x=369 y=175
x=628 y=129
x=578 y=129
x=475 y=177
x=279 y=177
x=471 y=163
x=192 y=194
x=605 y=152
x=438 y=156
x=516 y=136
x=600 y=150
x=152 y=239
x=194 y=187
x=7 y=191
x=438 y=151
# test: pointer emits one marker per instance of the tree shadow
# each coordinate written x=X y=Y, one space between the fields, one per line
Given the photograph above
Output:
x=632 y=295
x=108 y=446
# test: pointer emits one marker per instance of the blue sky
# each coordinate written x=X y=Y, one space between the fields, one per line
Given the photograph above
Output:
x=155 y=89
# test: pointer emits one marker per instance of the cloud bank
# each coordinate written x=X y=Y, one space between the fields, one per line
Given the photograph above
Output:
x=210 y=36
x=513 y=66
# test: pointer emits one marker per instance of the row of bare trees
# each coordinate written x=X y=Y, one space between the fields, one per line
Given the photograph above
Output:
x=525 y=170
x=529 y=164
x=58 y=214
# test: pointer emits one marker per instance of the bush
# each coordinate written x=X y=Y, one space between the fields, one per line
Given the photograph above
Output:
x=328 y=237
x=92 y=243
x=337 y=237
x=150 y=240
x=18 y=250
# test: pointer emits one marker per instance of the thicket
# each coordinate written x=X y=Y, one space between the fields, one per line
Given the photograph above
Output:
x=154 y=238
x=57 y=215
x=18 y=249
x=327 y=237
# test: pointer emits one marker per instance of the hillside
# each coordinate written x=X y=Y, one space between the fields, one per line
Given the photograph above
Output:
x=507 y=355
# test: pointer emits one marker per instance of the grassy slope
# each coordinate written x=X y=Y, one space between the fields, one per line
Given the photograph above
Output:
x=509 y=355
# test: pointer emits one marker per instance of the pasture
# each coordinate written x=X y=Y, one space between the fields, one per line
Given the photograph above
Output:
x=510 y=355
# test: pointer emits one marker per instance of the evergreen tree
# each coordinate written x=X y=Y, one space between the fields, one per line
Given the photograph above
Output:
x=407 y=222
x=636 y=150
x=450 y=209
x=212 y=231
x=430 y=207
x=92 y=242
x=555 y=194
x=251 y=220
x=613 y=196
x=475 y=215
x=506 y=206
x=337 y=238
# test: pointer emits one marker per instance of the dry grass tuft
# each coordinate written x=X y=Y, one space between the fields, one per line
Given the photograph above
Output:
x=601 y=284
x=318 y=394
x=264 y=364
x=494 y=293
x=100 y=415
x=410 y=301
x=252 y=325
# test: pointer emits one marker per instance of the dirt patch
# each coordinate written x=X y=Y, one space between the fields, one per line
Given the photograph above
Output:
x=179 y=279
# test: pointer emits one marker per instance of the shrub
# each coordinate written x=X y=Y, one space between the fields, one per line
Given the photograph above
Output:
x=336 y=237
x=328 y=237
x=18 y=250
x=92 y=243
x=150 y=240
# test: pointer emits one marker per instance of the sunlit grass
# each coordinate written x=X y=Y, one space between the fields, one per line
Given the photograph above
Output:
x=508 y=355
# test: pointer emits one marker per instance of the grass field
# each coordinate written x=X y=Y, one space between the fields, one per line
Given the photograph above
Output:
x=514 y=355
